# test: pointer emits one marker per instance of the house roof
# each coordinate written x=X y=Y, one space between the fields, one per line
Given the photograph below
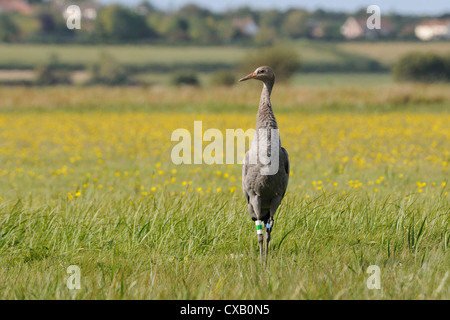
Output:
x=20 y=6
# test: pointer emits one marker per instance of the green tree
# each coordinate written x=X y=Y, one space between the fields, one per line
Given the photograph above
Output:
x=9 y=31
x=192 y=10
x=284 y=61
x=202 y=30
x=177 y=28
x=118 y=23
x=270 y=19
x=296 y=24
x=332 y=30
x=266 y=36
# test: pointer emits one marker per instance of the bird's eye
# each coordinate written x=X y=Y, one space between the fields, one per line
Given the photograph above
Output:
x=261 y=71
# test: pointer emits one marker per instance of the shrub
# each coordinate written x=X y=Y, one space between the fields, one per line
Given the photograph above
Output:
x=223 y=78
x=48 y=74
x=185 y=77
x=284 y=61
x=422 y=67
x=108 y=71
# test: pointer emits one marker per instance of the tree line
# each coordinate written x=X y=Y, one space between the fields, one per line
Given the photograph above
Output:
x=189 y=24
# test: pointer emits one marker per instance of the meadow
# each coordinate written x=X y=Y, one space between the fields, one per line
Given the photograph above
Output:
x=86 y=179
x=323 y=56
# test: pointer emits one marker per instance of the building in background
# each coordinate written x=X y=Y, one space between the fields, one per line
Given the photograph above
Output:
x=433 y=29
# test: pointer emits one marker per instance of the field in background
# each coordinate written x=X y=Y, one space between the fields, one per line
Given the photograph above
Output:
x=360 y=93
x=86 y=179
x=322 y=63
x=154 y=64
x=389 y=52
x=311 y=52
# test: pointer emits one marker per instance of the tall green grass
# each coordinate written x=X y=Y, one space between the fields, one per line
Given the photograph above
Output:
x=205 y=248
x=201 y=245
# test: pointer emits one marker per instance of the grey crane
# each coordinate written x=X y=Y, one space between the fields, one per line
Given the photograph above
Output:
x=264 y=188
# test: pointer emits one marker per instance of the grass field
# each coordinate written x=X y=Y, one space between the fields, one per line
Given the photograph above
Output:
x=134 y=54
x=389 y=52
x=312 y=53
x=323 y=63
x=86 y=179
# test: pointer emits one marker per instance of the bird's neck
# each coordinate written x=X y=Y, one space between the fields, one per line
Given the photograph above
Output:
x=266 y=118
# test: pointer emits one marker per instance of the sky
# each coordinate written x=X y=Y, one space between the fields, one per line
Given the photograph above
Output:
x=418 y=7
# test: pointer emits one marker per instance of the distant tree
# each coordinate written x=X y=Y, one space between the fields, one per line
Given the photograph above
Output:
x=177 y=28
x=243 y=12
x=296 y=24
x=192 y=10
x=47 y=22
x=52 y=23
x=202 y=30
x=145 y=7
x=9 y=31
x=270 y=19
x=319 y=14
x=155 y=21
x=284 y=61
x=266 y=36
x=118 y=23
x=192 y=22
x=331 y=30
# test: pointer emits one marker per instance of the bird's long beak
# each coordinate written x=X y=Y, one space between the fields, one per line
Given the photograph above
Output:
x=252 y=75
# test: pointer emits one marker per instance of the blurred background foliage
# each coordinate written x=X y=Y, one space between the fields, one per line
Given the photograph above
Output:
x=191 y=45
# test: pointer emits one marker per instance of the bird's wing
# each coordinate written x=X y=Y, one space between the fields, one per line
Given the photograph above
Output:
x=287 y=169
x=244 y=174
x=285 y=156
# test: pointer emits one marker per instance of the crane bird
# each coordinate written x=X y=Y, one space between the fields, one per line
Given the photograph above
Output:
x=265 y=170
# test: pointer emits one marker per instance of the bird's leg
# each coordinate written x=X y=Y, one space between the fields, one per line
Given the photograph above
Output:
x=259 y=232
x=269 y=225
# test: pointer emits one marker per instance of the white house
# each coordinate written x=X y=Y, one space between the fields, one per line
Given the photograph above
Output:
x=433 y=29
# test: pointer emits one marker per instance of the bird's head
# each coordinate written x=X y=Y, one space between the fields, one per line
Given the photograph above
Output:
x=263 y=73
